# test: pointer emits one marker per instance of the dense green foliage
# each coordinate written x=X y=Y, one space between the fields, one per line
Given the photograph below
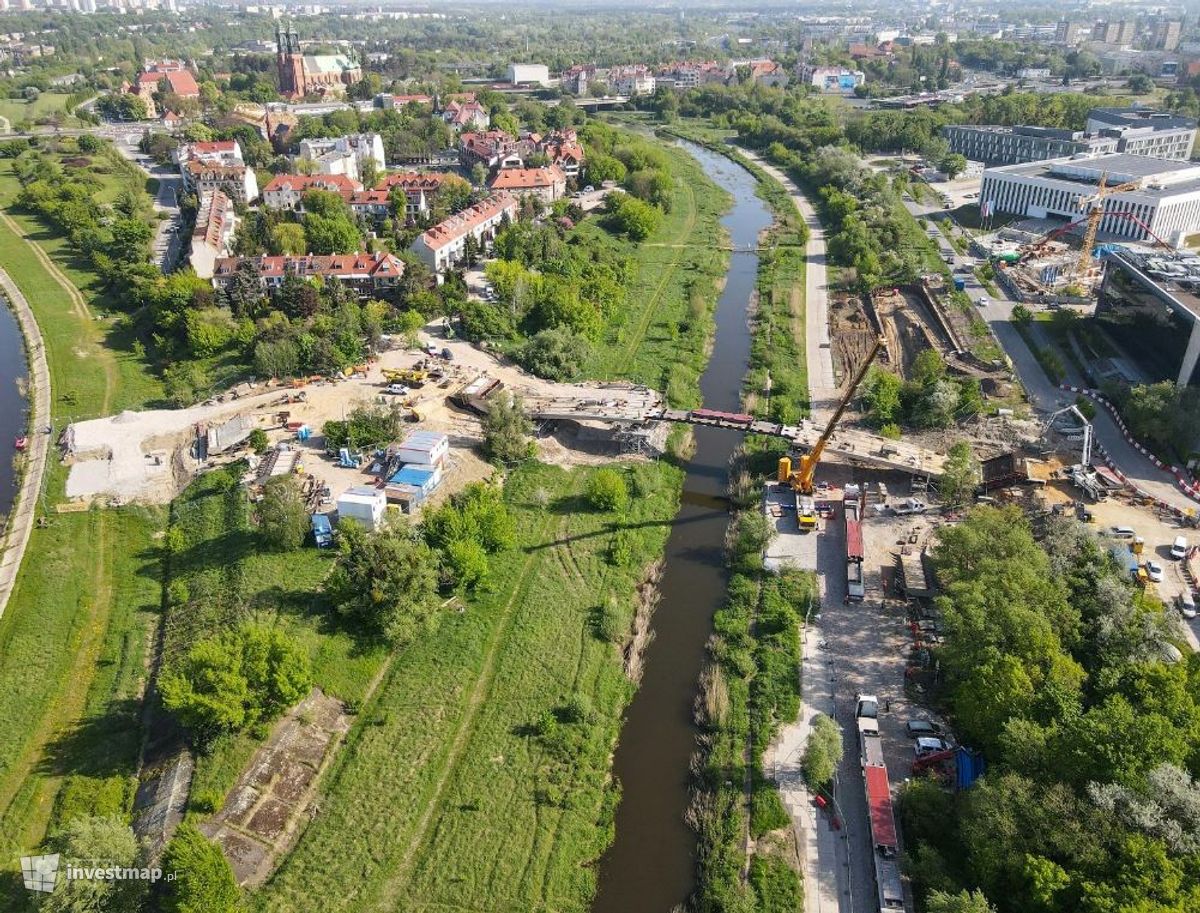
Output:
x=1163 y=416
x=822 y=753
x=506 y=430
x=929 y=399
x=234 y=681
x=97 y=841
x=282 y=515
x=606 y=490
x=1060 y=671
x=472 y=525
x=751 y=686
x=203 y=881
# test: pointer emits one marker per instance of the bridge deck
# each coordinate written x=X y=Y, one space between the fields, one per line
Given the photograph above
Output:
x=640 y=405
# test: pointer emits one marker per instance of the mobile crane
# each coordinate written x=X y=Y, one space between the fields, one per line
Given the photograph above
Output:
x=1095 y=213
x=801 y=479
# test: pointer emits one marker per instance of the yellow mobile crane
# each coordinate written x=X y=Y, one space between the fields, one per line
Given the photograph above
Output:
x=1095 y=212
x=801 y=479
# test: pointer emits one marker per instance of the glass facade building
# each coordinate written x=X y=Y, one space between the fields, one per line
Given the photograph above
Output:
x=1150 y=324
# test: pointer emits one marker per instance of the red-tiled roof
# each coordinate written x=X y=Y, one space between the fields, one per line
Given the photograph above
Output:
x=369 y=198
x=412 y=181
x=215 y=170
x=527 y=178
x=360 y=265
x=406 y=99
x=338 y=183
x=181 y=82
x=458 y=225
x=214 y=147
x=215 y=208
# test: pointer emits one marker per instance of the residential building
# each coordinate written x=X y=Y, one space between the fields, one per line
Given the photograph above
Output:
x=442 y=246
x=634 y=80
x=225 y=152
x=303 y=74
x=346 y=155
x=492 y=149
x=564 y=150
x=1167 y=202
x=1119 y=33
x=1148 y=303
x=1033 y=73
x=285 y=191
x=528 y=74
x=995 y=145
x=577 y=79
x=1071 y=34
x=1167 y=33
x=171 y=75
x=466 y=115
x=370 y=204
x=834 y=80
x=368 y=274
x=546 y=184
x=386 y=100
x=1144 y=131
x=237 y=181
x=768 y=73
x=421 y=188
x=213 y=234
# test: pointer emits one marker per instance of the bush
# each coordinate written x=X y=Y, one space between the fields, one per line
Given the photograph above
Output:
x=822 y=753
x=203 y=881
x=258 y=441
x=283 y=517
x=767 y=812
x=506 y=430
x=606 y=490
x=555 y=354
x=635 y=218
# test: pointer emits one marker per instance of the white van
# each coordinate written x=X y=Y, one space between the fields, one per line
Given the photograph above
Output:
x=1179 y=548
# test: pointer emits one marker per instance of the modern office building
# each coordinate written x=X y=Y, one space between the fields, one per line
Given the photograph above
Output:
x=994 y=145
x=1148 y=306
x=1144 y=131
x=1167 y=202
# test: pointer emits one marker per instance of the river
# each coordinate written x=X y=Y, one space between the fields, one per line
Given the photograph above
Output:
x=13 y=405
x=651 y=865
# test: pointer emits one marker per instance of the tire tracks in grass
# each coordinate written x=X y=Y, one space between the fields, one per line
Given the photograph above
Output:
x=651 y=307
x=69 y=702
x=79 y=307
x=387 y=896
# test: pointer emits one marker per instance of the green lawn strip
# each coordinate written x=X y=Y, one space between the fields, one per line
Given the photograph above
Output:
x=72 y=648
x=661 y=337
x=47 y=103
x=481 y=812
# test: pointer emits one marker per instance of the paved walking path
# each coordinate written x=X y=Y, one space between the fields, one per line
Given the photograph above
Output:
x=21 y=523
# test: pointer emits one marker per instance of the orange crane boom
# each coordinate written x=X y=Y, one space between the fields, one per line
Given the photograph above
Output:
x=802 y=479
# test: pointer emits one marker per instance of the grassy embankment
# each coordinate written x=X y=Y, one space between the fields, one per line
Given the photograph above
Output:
x=18 y=111
x=73 y=639
x=661 y=338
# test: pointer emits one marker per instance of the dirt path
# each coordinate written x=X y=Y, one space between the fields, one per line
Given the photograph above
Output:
x=21 y=525
x=79 y=307
x=390 y=892
x=667 y=274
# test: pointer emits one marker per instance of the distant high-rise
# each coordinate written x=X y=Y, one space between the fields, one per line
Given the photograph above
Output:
x=1167 y=33
x=1070 y=33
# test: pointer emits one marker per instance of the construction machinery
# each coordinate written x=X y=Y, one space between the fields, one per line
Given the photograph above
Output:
x=413 y=377
x=1082 y=475
x=1095 y=212
x=801 y=478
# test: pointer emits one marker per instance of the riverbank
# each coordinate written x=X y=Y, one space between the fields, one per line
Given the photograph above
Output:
x=21 y=517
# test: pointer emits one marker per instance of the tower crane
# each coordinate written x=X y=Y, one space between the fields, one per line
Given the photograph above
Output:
x=801 y=479
x=1095 y=212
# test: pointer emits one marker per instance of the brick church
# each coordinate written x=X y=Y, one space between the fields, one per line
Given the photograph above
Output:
x=311 y=74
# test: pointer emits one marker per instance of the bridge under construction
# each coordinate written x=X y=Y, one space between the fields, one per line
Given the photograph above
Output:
x=620 y=404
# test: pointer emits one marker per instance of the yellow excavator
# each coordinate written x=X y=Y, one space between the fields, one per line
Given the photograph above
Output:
x=801 y=478
x=414 y=377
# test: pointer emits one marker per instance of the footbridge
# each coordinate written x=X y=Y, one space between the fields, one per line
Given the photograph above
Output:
x=636 y=405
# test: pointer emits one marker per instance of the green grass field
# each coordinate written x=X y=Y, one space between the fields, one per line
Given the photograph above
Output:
x=72 y=639
x=447 y=796
x=18 y=110
x=661 y=338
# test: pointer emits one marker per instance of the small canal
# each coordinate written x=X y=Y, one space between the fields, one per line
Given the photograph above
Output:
x=13 y=405
x=651 y=865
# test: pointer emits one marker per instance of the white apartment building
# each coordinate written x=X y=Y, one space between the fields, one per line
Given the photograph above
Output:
x=441 y=247
x=635 y=80
x=345 y=155
x=1167 y=203
x=1144 y=131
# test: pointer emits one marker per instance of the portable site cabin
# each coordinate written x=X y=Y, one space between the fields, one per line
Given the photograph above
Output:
x=411 y=485
x=362 y=504
x=424 y=448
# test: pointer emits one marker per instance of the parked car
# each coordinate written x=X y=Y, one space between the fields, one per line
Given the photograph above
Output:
x=866 y=707
x=1179 y=548
x=1122 y=532
x=398 y=389
x=982 y=302
x=589 y=189
x=922 y=728
x=929 y=745
x=1187 y=605
x=911 y=506
x=1154 y=571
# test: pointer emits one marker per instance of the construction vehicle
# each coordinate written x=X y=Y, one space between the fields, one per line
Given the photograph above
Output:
x=348 y=460
x=413 y=377
x=801 y=479
x=1082 y=475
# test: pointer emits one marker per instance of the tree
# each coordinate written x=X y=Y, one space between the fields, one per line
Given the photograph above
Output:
x=337 y=235
x=283 y=519
x=822 y=752
x=258 y=441
x=1021 y=315
x=235 y=680
x=203 y=881
x=635 y=218
x=385 y=581
x=960 y=476
x=100 y=838
x=1140 y=84
x=185 y=382
x=606 y=490
x=963 y=902
x=506 y=430
x=287 y=238
x=555 y=354
x=953 y=165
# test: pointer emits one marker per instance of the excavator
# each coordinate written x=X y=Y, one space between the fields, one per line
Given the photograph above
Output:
x=801 y=478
